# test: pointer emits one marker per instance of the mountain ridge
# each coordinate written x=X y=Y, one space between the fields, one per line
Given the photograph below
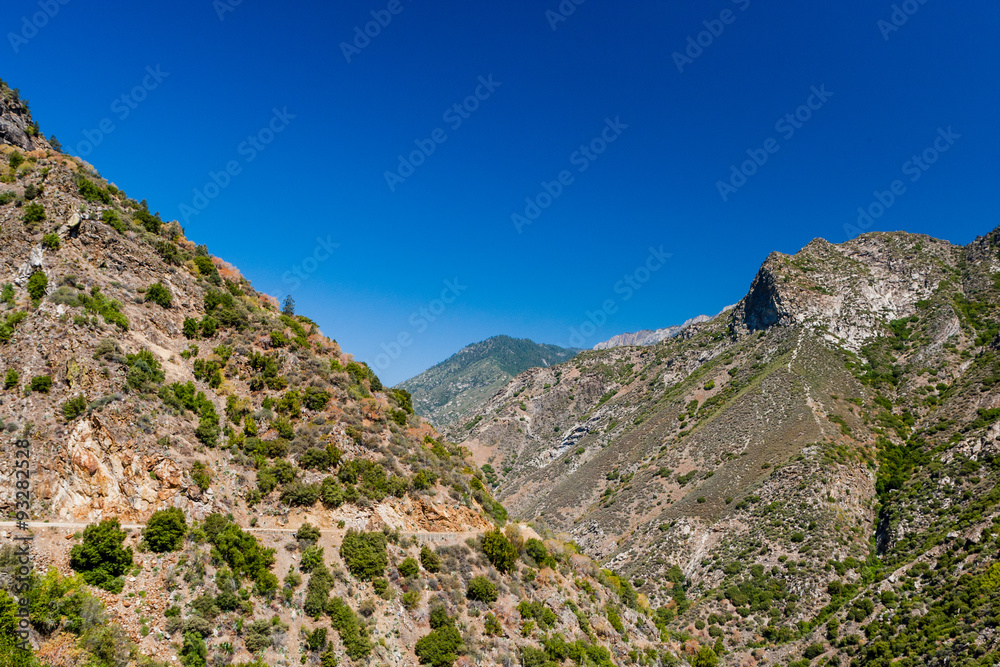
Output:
x=442 y=392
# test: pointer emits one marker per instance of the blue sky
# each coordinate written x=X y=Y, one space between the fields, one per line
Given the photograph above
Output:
x=623 y=142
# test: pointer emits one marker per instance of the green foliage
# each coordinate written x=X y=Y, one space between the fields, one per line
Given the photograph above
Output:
x=109 y=309
x=443 y=645
x=539 y=612
x=15 y=160
x=346 y=623
x=315 y=398
x=38 y=283
x=113 y=220
x=364 y=554
x=705 y=657
x=481 y=589
x=500 y=552
x=11 y=379
x=430 y=560
x=51 y=241
x=536 y=549
x=224 y=308
x=239 y=550
x=409 y=568
x=159 y=294
x=41 y=384
x=33 y=212
x=165 y=530
x=307 y=534
x=91 y=191
x=74 y=407
x=200 y=475
x=194 y=652
x=312 y=557
x=100 y=558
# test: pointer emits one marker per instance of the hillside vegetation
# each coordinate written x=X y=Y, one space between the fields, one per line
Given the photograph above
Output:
x=445 y=393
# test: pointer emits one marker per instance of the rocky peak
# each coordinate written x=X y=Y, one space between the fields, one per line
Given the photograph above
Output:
x=16 y=125
x=848 y=292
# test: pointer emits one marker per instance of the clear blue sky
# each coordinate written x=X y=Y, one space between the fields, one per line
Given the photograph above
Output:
x=323 y=175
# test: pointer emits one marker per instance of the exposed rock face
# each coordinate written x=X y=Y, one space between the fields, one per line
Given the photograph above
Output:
x=16 y=126
x=97 y=477
x=846 y=292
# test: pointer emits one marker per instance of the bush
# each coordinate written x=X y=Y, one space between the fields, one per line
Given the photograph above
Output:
x=38 y=284
x=113 y=220
x=11 y=379
x=441 y=647
x=74 y=407
x=364 y=554
x=100 y=558
x=159 y=294
x=165 y=530
x=481 y=589
x=33 y=212
x=500 y=552
x=813 y=651
x=430 y=560
x=200 y=475
x=312 y=557
x=51 y=241
x=409 y=568
x=307 y=534
x=92 y=192
x=41 y=383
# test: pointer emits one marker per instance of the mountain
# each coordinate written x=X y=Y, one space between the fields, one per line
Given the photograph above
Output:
x=649 y=336
x=444 y=393
x=818 y=465
x=202 y=478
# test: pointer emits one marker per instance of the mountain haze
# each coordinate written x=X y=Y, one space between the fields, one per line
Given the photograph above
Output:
x=445 y=392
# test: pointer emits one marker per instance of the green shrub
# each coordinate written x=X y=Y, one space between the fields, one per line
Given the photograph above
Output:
x=74 y=407
x=159 y=294
x=11 y=379
x=100 y=558
x=364 y=554
x=312 y=557
x=481 y=589
x=813 y=651
x=92 y=192
x=442 y=646
x=409 y=568
x=151 y=223
x=307 y=534
x=15 y=160
x=200 y=475
x=430 y=560
x=113 y=220
x=500 y=552
x=345 y=621
x=51 y=241
x=41 y=384
x=165 y=530
x=33 y=212
x=38 y=283
x=7 y=197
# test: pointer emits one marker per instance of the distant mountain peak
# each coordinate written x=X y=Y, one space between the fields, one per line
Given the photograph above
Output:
x=445 y=392
x=648 y=337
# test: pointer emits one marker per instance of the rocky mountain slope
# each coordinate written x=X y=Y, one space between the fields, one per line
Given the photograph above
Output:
x=446 y=392
x=212 y=480
x=818 y=465
x=649 y=336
